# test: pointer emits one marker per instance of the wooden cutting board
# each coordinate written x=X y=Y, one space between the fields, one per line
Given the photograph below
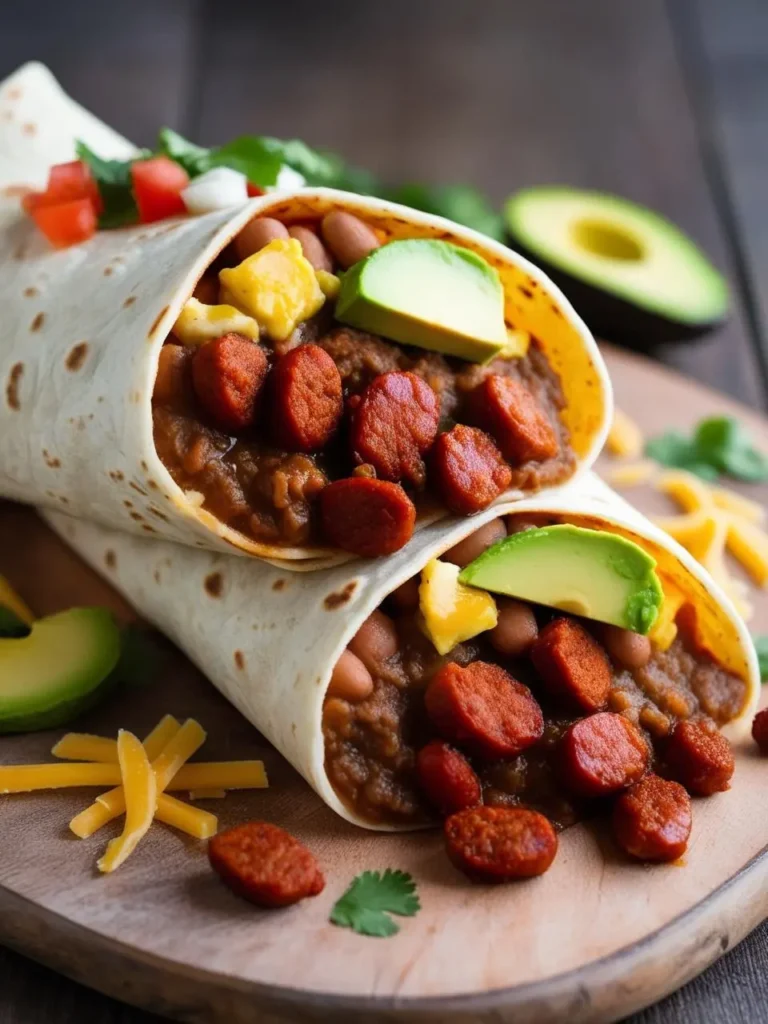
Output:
x=594 y=939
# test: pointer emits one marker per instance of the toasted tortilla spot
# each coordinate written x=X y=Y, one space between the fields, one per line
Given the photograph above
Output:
x=50 y=460
x=147 y=528
x=156 y=575
x=30 y=293
x=135 y=397
x=339 y=598
x=278 y=584
x=160 y=515
x=29 y=128
x=137 y=517
x=108 y=271
x=136 y=487
x=116 y=475
x=214 y=584
x=12 y=387
x=144 y=466
x=110 y=559
x=153 y=485
x=240 y=660
x=76 y=357
x=129 y=301
x=157 y=320
x=38 y=322
x=15 y=93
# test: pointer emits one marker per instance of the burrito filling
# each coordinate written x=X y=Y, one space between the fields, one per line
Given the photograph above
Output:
x=322 y=388
x=553 y=710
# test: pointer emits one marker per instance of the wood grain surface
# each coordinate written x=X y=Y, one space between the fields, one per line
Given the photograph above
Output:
x=164 y=933
x=667 y=98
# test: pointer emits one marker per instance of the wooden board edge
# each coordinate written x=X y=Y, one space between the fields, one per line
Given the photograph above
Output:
x=603 y=991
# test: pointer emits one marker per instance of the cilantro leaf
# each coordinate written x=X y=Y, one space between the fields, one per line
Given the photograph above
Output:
x=719 y=445
x=11 y=625
x=141 y=657
x=461 y=203
x=253 y=156
x=193 y=158
x=113 y=178
x=372 y=896
x=761 y=646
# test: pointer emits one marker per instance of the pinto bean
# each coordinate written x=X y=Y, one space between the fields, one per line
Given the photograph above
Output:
x=630 y=650
x=476 y=543
x=256 y=234
x=349 y=238
x=350 y=679
x=173 y=383
x=406 y=597
x=313 y=249
x=375 y=641
x=516 y=629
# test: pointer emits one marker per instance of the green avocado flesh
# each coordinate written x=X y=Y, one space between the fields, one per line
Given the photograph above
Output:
x=427 y=293
x=54 y=673
x=620 y=248
x=586 y=572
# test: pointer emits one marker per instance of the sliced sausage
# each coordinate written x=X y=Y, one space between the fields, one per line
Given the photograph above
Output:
x=652 y=819
x=313 y=249
x=572 y=664
x=760 y=730
x=307 y=401
x=516 y=630
x=265 y=864
x=367 y=517
x=228 y=374
x=350 y=679
x=349 y=238
x=447 y=778
x=602 y=754
x=394 y=424
x=500 y=844
x=173 y=383
x=376 y=641
x=512 y=416
x=630 y=650
x=700 y=757
x=469 y=471
x=484 y=708
x=258 y=233
x=476 y=543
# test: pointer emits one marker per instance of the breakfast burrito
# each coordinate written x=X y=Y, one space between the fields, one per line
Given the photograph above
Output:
x=525 y=648
x=303 y=376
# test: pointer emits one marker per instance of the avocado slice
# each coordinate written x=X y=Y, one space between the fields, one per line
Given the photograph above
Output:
x=51 y=675
x=632 y=275
x=428 y=293
x=591 y=573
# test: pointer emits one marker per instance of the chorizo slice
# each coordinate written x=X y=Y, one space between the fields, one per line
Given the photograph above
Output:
x=366 y=517
x=447 y=778
x=394 y=424
x=469 y=470
x=512 y=416
x=228 y=374
x=652 y=819
x=700 y=757
x=572 y=664
x=760 y=730
x=602 y=754
x=484 y=708
x=265 y=864
x=307 y=401
x=500 y=844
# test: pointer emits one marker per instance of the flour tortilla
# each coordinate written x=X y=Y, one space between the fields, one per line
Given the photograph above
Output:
x=268 y=639
x=83 y=328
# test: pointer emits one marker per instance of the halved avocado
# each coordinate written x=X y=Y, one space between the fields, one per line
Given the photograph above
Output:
x=55 y=672
x=633 y=276
x=593 y=573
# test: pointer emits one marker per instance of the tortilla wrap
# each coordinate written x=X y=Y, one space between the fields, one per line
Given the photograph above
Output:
x=83 y=329
x=269 y=640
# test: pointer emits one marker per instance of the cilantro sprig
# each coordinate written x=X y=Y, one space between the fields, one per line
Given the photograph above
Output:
x=370 y=899
x=719 y=445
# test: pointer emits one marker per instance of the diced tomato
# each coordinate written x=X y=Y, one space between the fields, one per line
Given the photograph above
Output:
x=73 y=181
x=254 y=190
x=66 y=223
x=157 y=186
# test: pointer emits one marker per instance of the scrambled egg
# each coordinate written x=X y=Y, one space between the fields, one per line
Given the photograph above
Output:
x=452 y=612
x=276 y=285
x=664 y=629
x=198 y=323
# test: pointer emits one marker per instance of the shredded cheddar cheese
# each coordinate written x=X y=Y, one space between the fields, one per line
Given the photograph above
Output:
x=625 y=437
x=192 y=820
x=140 y=788
x=631 y=474
x=27 y=778
x=731 y=501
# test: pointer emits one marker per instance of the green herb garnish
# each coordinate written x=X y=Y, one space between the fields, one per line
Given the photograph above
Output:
x=113 y=178
x=371 y=898
x=719 y=445
x=460 y=203
x=761 y=646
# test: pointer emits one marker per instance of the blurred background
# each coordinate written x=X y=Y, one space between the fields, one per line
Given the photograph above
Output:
x=663 y=103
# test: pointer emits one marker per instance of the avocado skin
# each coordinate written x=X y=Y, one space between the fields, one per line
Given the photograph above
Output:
x=62 y=714
x=615 y=319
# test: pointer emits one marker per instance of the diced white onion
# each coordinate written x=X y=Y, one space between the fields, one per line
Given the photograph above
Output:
x=288 y=180
x=217 y=189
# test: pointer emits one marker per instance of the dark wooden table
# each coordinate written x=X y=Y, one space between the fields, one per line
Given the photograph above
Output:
x=664 y=103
